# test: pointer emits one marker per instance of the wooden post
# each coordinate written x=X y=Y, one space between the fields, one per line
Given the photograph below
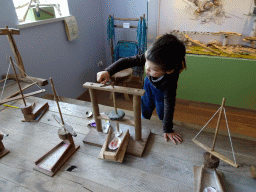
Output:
x=137 y=116
x=16 y=54
x=95 y=108
x=218 y=124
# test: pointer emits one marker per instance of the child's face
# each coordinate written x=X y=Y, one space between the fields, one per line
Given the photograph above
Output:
x=154 y=70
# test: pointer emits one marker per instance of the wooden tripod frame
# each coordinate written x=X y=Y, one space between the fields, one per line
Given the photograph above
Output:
x=22 y=76
x=137 y=144
x=211 y=150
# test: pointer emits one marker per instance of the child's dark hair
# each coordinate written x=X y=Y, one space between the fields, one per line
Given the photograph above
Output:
x=167 y=51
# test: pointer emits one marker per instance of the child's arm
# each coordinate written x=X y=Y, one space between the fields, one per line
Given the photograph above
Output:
x=127 y=62
x=169 y=106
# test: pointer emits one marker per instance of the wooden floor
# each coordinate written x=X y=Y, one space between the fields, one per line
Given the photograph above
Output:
x=164 y=166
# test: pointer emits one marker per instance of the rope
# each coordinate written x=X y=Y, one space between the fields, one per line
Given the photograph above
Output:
x=233 y=152
x=5 y=81
x=206 y=123
x=27 y=75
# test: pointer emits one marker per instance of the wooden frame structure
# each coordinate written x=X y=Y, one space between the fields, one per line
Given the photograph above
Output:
x=138 y=140
x=52 y=161
x=211 y=150
x=22 y=76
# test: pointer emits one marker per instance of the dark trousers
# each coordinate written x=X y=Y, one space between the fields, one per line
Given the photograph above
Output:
x=153 y=98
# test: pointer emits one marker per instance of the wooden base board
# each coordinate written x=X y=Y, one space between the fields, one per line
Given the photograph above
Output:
x=39 y=110
x=4 y=152
x=134 y=147
x=58 y=164
x=208 y=179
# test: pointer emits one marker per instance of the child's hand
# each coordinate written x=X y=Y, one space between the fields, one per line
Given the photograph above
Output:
x=173 y=136
x=103 y=77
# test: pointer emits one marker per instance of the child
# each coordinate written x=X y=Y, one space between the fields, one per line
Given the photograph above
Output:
x=164 y=61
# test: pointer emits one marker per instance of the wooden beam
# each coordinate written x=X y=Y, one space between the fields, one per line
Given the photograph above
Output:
x=216 y=154
x=118 y=89
x=19 y=96
x=9 y=31
x=16 y=54
x=27 y=79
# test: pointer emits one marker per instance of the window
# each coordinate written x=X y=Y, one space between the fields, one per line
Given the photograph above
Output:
x=35 y=10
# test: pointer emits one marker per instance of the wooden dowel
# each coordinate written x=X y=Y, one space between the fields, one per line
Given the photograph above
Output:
x=18 y=82
x=16 y=93
x=137 y=116
x=121 y=26
x=57 y=100
x=218 y=124
x=95 y=108
x=127 y=19
x=117 y=126
x=2 y=80
x=114 y=101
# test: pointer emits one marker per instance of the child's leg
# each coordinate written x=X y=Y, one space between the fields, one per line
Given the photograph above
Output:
x=147 y=100
x=159 y=102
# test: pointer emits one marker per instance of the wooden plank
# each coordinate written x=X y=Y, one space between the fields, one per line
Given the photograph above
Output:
x=28 y=79
x=216 y=154
x=117 y=89
x=8 y=31
x=19 y=96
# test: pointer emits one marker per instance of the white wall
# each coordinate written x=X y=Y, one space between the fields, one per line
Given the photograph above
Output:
x=173 y=16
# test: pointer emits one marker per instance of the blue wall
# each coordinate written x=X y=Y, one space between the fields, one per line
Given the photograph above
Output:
x=46 y=51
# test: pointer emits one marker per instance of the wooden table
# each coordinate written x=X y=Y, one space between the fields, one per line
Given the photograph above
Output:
x=164 y=166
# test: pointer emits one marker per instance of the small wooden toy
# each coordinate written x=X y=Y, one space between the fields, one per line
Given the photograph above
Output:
x=52 y=161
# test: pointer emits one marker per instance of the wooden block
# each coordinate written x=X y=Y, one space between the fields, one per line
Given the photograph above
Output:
x=134 y=147
x=39 y=110
x=208 y=178
x=117 y=155
x=50 y=163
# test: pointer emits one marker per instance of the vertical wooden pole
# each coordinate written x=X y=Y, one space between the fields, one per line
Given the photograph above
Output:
x=111 y=47
x=18 y=82
x=218 y=124
x=96 y=111
x=137 y=116
x=16 y=54
x=57 y=101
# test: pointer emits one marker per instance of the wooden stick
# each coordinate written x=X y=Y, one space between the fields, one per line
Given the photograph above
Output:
x=216 y=154
x=19 y=97
x=8 y=31
x=16 y=54
x=57 y=100
x=137 y=116
x=200 y=44
x=28 y=79
x=16 y=93
x=24 y=17
x=218 y=123
x=18 y=82
x=121 y=26
x=127 y=19
x=2 y=80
